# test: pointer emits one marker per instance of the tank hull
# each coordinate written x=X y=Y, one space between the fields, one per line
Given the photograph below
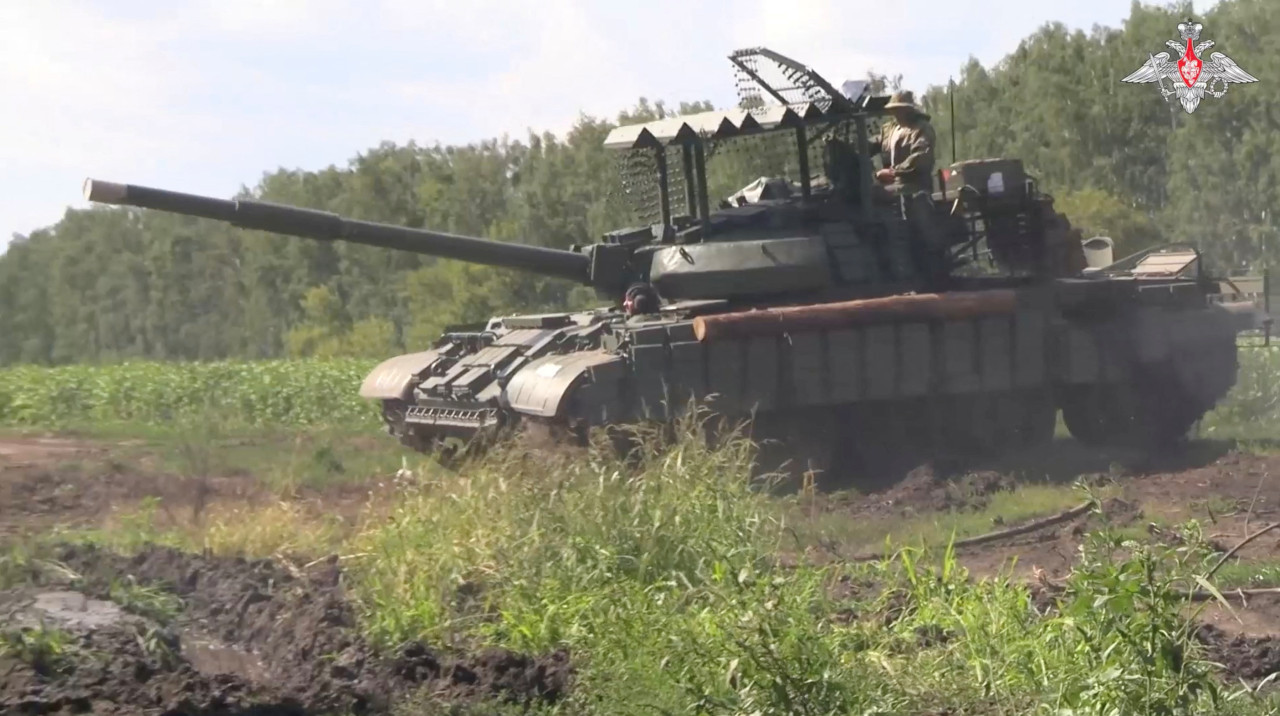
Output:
x=1127 y=362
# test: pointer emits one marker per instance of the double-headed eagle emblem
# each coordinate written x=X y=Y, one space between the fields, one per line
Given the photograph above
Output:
x=1190 y=77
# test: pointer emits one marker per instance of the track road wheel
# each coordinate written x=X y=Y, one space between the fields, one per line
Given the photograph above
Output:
x=1036 y=417
x=1094 y=414
x=1170 y=397
x=1158 y=403
x=1166 y=408
x=800 y=450
x=1153 y=411
x=962 y=426
x=393 y=412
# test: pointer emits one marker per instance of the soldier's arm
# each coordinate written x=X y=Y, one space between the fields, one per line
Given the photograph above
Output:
x=875 y=143
x=921 y=148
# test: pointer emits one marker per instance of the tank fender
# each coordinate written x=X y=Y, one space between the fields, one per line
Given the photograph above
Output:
x=1243 y=315
x=1155 y=335
x=544 y=387
x=393 y=379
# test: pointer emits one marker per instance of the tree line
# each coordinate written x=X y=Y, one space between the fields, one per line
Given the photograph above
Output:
x=106 y=284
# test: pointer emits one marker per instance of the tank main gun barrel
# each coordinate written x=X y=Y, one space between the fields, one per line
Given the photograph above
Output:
x=325 y=226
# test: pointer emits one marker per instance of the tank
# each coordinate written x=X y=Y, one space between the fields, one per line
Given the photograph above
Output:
x=845 y=324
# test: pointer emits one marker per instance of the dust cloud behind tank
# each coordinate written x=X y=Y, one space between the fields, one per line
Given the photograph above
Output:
x=850 y=326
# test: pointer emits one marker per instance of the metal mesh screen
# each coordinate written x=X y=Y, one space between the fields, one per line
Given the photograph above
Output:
x=732 y=163
x=636 y=193
x=735 y=162
x=794 y=86
x=738 y=161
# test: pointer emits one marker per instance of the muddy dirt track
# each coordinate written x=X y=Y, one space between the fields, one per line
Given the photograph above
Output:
x=252 y=637
x=244 y=637
x=265 y=638
x=1227 y=490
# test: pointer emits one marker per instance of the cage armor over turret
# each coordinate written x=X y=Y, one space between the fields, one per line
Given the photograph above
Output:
x=846 y=324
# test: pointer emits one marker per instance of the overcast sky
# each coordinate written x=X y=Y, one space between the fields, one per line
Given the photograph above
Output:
x=206 y=95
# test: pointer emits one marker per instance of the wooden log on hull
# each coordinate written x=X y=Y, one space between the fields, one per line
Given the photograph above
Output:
x=826 y=316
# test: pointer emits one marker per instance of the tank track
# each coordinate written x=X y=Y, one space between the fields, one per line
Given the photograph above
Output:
x=448 y=451
x=864 y=443
x=1157 y=404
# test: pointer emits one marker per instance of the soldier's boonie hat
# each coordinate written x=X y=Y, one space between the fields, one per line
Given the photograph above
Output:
x=902 y=98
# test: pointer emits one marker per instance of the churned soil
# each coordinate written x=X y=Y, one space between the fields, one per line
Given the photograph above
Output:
x=265 y=637
x=1250 y=657
x=251 y=637
x=925 y=489
x=40 y=484
x=1233 y=494
x=1230 y=492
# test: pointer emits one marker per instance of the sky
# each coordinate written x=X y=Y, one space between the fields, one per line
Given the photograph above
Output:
x=206 y=96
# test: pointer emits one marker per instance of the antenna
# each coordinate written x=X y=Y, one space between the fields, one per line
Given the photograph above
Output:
x=951 y=94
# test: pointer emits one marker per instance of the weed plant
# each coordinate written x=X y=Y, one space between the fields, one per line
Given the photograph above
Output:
x=47 y=649
x=660 y=578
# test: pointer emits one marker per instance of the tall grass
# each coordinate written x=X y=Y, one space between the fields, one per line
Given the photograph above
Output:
x=661 y=581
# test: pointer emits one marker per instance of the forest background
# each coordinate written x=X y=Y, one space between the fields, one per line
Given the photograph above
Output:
x=107 y=284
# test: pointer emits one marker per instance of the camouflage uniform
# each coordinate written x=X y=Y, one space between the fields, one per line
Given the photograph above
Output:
x=908 y=149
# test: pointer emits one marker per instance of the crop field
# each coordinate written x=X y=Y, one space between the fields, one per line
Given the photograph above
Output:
x=241 y=537
x=263 y=393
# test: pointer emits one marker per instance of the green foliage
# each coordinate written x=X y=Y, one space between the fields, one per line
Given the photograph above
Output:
x=18 y=565
x=661 y=581
x=1128 y=611
x=150 y=602
x=1252 y=409
x=327 y=330
x=47 y=649
x=294 y=393
x=1097 y=213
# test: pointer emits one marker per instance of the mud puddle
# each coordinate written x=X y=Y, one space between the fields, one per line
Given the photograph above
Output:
x=251 y=637
x=212 y=657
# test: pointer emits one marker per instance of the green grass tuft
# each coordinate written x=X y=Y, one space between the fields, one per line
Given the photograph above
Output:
x=47 y=649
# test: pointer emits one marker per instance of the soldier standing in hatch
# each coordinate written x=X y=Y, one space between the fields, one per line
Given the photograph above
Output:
x=907 y=146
